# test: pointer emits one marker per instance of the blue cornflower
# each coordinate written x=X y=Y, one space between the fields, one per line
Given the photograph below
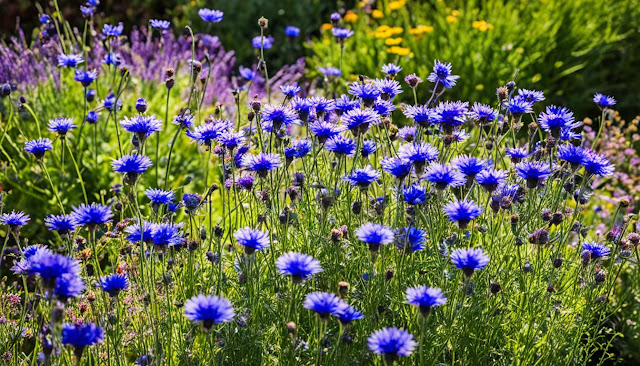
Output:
x=391 y=69
x=292 y=31
x=518 y=106
x=603 y=101
x=209 y=310
x=374 y=235
x=330 y=72
x=397 y=167
x=366 y=91
x=69 y=60
x=92 y=117
x=141 y=105
x=85 y=77
x=567 y=134
x=298 y=149
x=460 y=135
x=443 y=176
x=596 y=164
x=323 y=106
x=206 y=133
x=574 y=155
x=63 y=224
x=534 y=172
x=231 y=140
x=142 y=126
x=211 y=16
x=160 y=24
x=246 y=72
x=143 y=360
x=38 y=147
x=368 y=148
x=112 y=59
x=340 y=145
x=191 y=201
x=414 y=194
x=392 y=343
x=349 y=315
x=262 y=163
x=80 y=336
x=555 y=119
x=113 y=284
x=441 y=75
x=325 y=304
x=299 y=266
x=15 y=220
x=595 y=250
x=112 y=30
x=425 y=298
x=165 y=235
x=418 y=153
x=159 y=197
x=44 y=19
x=359 y=120
x=275 y=116
x=262 y=42
x=345 y=104
x=304 y=107
x=87 y=11
x=91 y=215
x=341 y=33
x=469 y=260
x=68 y=286
x=517 y=154
x=51 y=266
x=462 y=212
x=408 y=133
x=363 y=177
x=532 y=96
x=483 y=113
x=491 y=178
x=290 y=91
x=184 y=120
x=110 y=102
x=252 y=239
x=136 y=235
x=421 y=115
x=383 y=107
x=410 y=239
x=389 y=88
x=450 y=115
x=131 y=166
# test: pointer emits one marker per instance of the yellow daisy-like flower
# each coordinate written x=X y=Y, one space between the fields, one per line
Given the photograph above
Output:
x=377 y=14
x=480 y=87
x=455 y=13
x=393 y=41
x=326 y=26
x=395 y=5
x=385 y=34
x=383 y=28
x=481 y=25
x=451 y=19
x=396 y=30
x=420 y=29
x=350 y=17
x=400 y=51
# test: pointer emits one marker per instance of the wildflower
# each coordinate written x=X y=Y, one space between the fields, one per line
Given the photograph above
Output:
x=335 y=18
x=425 y=298
x=421 y=115
x=110 y=102
x=596 y=164
x=389 y=88
x=483 y=113
x=298 y=149
x=80 y=336
x=231 y=140
x=408 y=133
x=341 y=33
x=397 y=167
x=276 y=116
x=299 y=266
x=325 y=304
x=532 y=96
x=392 y=343
x=330 y=72
x=210 y=16
x=142 y=126
x=15 y=220
x=469 y=260
x=414 y=194
x=462 y=212
x=340 y=145
x=603 y=101
x=113 y=284
x=264 y=43
x=517 y=106
x=574 y=155
x=141 y=105
x=50 y=266
x=349 y=315
x=136 y=235
x=359 y=120
x=91 y=215
x=595 y=250
x=92 y=117
x=246 y=72
x=290 y=91
x=191 y=201
x=555 y=119
x=374 y=235
x=412 y=80
x=367 y=91
x=63 y=224
x=69 y=60
x=68 y=286
x=391 y=69
x=323 y=106
x=292 y=31
x=441 y=75
x=491 y=178
x=38 y=147
x=159 y=197
x=534 y=172
x=209 y=310
x=85 y=77
x=112 y=30
x=208 y=132
x=44 y=19
x=410 y=239
x=418 y=153
x=87 y=11
x=377 y=14
x=450 y=115
x=517 y=154
x=368 y=148
x=262 y=163
x=131 y=166
x=252 y=239
x=165 y=235
x=443 y=176
x=363 y=177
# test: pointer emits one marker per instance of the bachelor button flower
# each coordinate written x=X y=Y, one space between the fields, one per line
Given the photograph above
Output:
x=304 y=107
x=211 y=16
x=363 y=177
x=92 y=117
x=112 y=59
x=231 y=140
x=69 y=60
x=359 y=120
x=366 y=91
x=534 y=172
x=397 y=167
x=450 y=115
x=330 y=72
x=191 y=201
x=61 y=125
x=469 y=165
x=209 y=310
x=246 y=72
x=596 y=164
x=131 y=166
x=91 y=215
x=112 y=30
x=292 y=31
x=325 y=304
x=184 y=120
x=141 y=105
x=63 y=224
x=38 y=147
x=80 y=336
x=345 y=104
x=206 y=133
x=462 y=212
x=483 y=113
x=389 y=88
x=568 y=134
x=391 y=69
x=517 y=154
x=408 y=133
x=142 y=126
x=276 y=116
x=555 y=119
x=419 y=154
x=68 y=286
x=491 y=178
x=50 y=266
x=532 y=96
x=341 y=33
x=383 y=107
x=109 y=102
x=425 y=298
x=261 y=163
x=165 y=235
x=414 y=194
x=252 y=239
x=15 y=220
x=374 y=235
x=160 y=24
x=410 y=239
x=349 y=314
x=262 y=42
x=441 y=75
x=368 y=148
x=443 y=176
x=518 y=106
x=87 y=11
x=290 y=91
x=574 y=155
x=159 y=197
x=392 y=343
x=136 y=236
x=604 y=101
x=44 y=19
x=323 y=106
x=85 y=77
x=340 y=145
x=299 y=266
x=300 y=147
x=469 y=260
x=595 y=250
x=113 y=284
x=421 y=115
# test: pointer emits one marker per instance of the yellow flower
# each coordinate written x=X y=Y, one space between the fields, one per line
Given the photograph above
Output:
x=383 y=28
x=451 y=19
x=383 y=34
x=480 y=87
x=395 y=5
x=536 y=78
x=396 y=30
x=481 y=25
x=350 y=17
x=455 y=13
x=393 y=41
x=326 y=26
x=400 y=51
x=420 y=29
x=377 y=14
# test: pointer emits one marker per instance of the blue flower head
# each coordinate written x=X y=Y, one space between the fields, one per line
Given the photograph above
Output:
x=359 y=120
x=368 y=148
x=414 y=194
x=462 y=212
x=366 y=91
x=91 y=215
x=259 y=42
x=425 y=298
x=596 y=164
x=374 y=235
x=389 y=88
x=330 y=72
x=603 y=101
x=323 y=106
x=275 y=116
x=69 y=60
x=574 y=155
x=469 y=260
x=483 y=113
x=422 y=115
x=166 y=235
x=441 y=75
x=383 y=107
x=392 y=343
x=325 y=304
x=14 y=219
x=491 y=178
x=408 y=133
x=50 y=266
x=341 y=33
x=85 y=78
x=231 y=140
x=63 y=224
x=418 y=153
x=68 y=286
x=184 y=120
x=299 y=266
x=246 y=72
x=192 y=201
x=160 y=24
x=450 y=115
x=210 y=16
x=532 y=96
x=517 y=154
x=92 y=117
x=391 y=69
x=555 y=119
x=518 y=106
x=324 y=130
x=112 y=59
x=110 y=102
x=38 y=147
x=340 y=145
x=209 y=310
x=398 y=167
x=159 y=197
x=363 y=177
x=135 y=235
x=131 y=166
x=252 y=239
x=349 y=315
x=290 y=90
x=112 y=30
x=534 y=172
x=208 y=132
x=594 y=250
x=292 y=31
x=410 y=239
x=142 y=126
x=345 y=104
x=113 y=284
x=81 y=335
x=443 y=176
x=262 y=163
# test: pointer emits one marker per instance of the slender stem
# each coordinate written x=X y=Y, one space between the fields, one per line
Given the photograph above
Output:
x=75 y=165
